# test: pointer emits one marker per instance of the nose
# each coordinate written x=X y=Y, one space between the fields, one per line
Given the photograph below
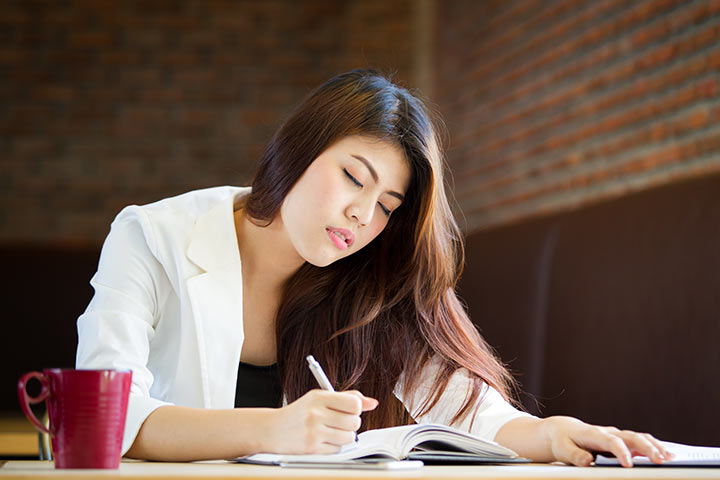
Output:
x=361 y=211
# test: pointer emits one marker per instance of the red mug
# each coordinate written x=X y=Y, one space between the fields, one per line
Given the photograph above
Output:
x=86 y=409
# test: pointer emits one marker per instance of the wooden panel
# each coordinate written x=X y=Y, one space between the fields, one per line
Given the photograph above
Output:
x=611 y=313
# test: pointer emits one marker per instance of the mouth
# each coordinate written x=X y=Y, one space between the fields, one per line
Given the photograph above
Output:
x=341 y=237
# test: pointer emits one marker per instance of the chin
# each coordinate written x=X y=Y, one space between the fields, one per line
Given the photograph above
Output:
x=320 y=264
x=325 y=257
x=323 y=261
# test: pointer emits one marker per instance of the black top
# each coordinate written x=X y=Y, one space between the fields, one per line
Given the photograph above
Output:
x=258 y=386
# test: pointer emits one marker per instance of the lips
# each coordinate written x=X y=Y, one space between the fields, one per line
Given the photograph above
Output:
x=342 y=237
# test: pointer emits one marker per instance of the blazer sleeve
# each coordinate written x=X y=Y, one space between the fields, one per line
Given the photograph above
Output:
x=490 y=412
x=118 y=325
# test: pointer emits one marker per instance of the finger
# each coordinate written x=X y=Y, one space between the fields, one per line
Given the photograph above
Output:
x=325 y=448
x=606 y=440
x=667 y=454
x=342 y=421
x=616 y=446
x=368 y=403
x=640 y=445
x=345 y=402
x=336 y=437
x=644 y=444
x=351 y=404
x=569 y=452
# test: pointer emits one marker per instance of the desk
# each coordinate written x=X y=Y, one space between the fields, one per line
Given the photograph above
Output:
x=31 y=470
x=17 y=436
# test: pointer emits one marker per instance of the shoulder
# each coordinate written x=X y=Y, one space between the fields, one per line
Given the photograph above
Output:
x=175 y=217
x=193 y=204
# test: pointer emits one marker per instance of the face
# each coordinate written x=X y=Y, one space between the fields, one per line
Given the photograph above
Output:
x=344 y=199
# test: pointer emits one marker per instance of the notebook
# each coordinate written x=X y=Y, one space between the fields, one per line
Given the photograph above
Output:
x=428 y=442
x=685 y=456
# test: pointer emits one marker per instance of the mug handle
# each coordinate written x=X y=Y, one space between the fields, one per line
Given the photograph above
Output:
x=26 y=400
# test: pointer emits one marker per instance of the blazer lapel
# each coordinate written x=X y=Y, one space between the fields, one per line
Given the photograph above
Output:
x=216 y=301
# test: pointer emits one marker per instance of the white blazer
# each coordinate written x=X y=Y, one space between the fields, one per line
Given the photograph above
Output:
x=168 y=306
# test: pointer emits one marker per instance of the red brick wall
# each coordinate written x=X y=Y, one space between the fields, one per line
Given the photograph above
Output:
x=106 y=103
x=552 y=105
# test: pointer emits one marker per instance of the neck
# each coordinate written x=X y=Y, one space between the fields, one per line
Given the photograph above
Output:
x=268 y=257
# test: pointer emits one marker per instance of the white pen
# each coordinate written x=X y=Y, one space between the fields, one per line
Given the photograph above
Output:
x=321 y=378
x=318 y=373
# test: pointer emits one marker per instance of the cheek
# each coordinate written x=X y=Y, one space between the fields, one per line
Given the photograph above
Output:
x=329 y=194
x=374 y=230
x=311 y=196
x=325 y=190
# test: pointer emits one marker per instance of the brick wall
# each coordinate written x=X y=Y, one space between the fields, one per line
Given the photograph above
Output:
x=106 y=103
x=552 y=105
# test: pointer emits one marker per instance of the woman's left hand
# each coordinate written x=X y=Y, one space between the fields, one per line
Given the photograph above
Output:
x=572 y=440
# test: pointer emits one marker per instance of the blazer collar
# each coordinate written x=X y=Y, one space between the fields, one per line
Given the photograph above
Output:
x=216 y=299
x=213 y=244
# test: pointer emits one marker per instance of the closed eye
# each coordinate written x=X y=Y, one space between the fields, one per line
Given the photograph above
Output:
x=385 y=210
x=352 y=179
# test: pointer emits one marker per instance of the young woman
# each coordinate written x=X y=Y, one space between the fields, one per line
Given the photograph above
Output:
x=344 y=248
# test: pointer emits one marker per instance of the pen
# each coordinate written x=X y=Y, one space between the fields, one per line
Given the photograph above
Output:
x=318 y=373
x=321 y=378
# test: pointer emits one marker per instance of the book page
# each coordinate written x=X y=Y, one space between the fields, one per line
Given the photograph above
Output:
x=371 y=443
x=440 y=437
x=395 y=443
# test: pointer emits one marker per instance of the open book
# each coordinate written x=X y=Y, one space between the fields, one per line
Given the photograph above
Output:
x=428 y=442
x=685 y=456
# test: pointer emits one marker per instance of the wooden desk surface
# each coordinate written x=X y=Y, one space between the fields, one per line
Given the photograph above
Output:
x=17 y=436
x=30 y=470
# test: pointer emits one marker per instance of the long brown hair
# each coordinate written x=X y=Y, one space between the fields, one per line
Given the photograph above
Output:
x=389 y=308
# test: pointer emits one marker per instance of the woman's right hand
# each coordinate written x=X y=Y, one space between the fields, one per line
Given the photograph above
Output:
x=318 y=422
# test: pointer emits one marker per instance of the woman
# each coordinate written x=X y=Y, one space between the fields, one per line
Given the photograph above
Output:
x=345 y=248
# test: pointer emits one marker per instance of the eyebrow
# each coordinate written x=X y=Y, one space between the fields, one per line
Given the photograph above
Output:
x=374 y=174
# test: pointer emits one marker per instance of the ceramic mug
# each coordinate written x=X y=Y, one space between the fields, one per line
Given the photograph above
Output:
x=86 y=410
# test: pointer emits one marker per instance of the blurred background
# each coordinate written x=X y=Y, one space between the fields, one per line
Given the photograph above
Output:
x=584 y=151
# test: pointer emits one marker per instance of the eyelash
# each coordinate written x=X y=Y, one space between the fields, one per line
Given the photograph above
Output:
x=352 y=179
x=358 y=184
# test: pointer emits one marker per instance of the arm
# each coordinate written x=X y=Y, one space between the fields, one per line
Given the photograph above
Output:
x=318 y=422
x=173 y=433
x=551 y=439
x=569 y=440
x=118 y=325
x=486 y=416
x=117 y=331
